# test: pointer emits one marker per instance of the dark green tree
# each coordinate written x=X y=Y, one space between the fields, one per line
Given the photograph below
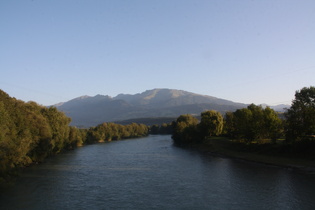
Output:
x=59 y=124
x=242 y=122
x=254 y=123
x=113 y=131
x=154 y=129
x=229 y=125
x=300 y=118
x=161 y=129
x=273 y=125
x=211 y=124
x=185 y=130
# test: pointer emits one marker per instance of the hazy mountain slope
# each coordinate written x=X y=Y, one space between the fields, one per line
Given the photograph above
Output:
x=170 y=97
x=278 y=108
x=89 y=111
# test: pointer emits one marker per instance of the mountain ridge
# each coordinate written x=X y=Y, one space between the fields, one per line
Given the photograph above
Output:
x=87 y=111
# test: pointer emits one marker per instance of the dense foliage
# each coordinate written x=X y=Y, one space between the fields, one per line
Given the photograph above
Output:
x=165 y=128
x=211 y=124
x=253 y=123
x=300 y=117
x=30 y=132
x=111 y=131
x=187 y=130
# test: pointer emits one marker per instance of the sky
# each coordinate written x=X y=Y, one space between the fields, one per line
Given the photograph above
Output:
x=247 y=51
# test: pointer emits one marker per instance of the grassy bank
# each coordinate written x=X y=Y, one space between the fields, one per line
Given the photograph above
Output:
x=272 y=154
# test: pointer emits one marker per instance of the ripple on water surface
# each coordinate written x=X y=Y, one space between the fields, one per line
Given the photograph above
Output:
x=150 y=173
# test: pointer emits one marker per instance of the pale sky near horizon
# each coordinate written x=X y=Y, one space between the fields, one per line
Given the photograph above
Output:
x=247 y=51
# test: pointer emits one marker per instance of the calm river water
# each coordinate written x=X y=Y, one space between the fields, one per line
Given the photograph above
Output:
x=150 y=173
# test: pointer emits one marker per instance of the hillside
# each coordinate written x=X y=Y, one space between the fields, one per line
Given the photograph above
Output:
x=87 y=111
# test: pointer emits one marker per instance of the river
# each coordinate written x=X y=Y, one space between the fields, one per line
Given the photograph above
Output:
x=151 y=173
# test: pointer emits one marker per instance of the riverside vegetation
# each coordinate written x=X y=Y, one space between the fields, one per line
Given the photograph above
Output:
x=256 y=133
x=29 y=132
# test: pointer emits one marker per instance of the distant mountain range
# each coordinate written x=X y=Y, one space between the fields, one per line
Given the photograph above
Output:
x=87 y=111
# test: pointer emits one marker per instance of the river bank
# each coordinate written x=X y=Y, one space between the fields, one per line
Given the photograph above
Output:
x=264 y=154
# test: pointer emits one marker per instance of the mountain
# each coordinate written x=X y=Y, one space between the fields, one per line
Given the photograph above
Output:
x=277 y=108
x=87 y=111
x=169 y=98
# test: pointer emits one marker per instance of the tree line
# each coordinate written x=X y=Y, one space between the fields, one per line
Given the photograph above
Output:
x=111 y=131
x=29 y=133
x=188 y=130
x=164 y=129
x=252 y=124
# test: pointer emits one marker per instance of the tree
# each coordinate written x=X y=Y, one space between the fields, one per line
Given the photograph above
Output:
x=254 y=123
x=185 y=130
x=300 y=118
x=113 y=131
x=59 y=124
x=154 y=129
x=242 y=122
x=161 y=129
x=75 y=138
x=273 y=125
x=211 y=124
x=229 y=125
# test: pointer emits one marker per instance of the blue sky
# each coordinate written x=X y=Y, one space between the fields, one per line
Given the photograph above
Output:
x=247 y=51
